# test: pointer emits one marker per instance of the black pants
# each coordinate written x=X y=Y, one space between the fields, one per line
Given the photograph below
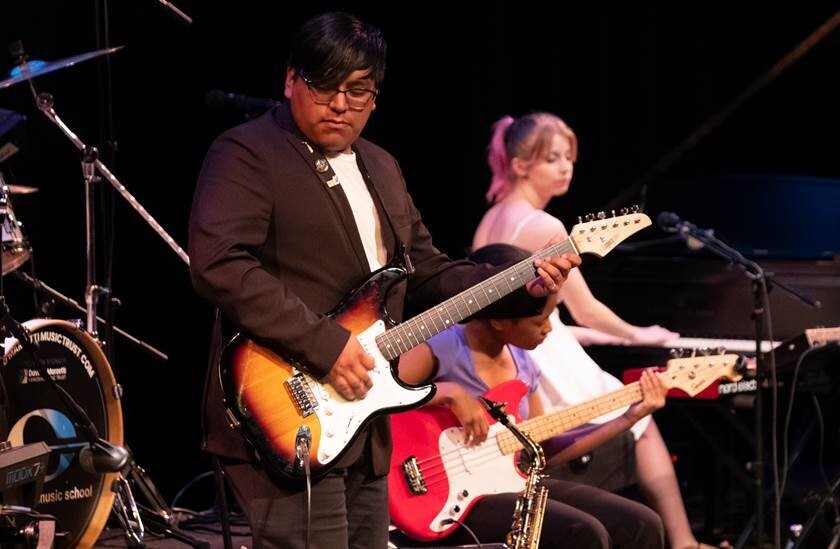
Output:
x=349 y=508
x=576 y=516
x=611 y=466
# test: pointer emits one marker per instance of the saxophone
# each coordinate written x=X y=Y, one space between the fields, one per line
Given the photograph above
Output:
x=529 y=511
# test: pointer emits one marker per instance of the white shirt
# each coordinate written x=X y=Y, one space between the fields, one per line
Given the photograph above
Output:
x=364 y=211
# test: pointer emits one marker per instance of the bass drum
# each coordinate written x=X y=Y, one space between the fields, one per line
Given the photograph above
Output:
x=81 y=501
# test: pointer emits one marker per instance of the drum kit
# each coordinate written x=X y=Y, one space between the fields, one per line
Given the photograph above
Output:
x=59 y=386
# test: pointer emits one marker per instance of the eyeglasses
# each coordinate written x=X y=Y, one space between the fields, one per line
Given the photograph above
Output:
x=357 y=98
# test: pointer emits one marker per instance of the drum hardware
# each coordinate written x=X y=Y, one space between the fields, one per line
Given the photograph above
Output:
x=26 y=69
x=16 y=249
x=100 y=456
x=79 y=496
x=173 y=9
x=40 y=286
x=91 y=165
x=129 y=514
x=21 y=189
x=157 y=518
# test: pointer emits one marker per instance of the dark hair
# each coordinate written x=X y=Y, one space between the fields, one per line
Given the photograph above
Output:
x=517 y=304
x=327 y=48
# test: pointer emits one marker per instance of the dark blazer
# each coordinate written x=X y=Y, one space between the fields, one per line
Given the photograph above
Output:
x=275 y=248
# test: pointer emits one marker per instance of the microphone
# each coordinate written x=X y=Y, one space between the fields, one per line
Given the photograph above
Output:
x=103 y=457
x=671 y=223
x=243 y=103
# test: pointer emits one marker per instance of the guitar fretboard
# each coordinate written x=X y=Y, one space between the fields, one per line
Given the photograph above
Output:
x=544 y=427
x=399 y=339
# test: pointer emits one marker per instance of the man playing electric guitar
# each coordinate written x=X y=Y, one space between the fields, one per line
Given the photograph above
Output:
x=292 y=211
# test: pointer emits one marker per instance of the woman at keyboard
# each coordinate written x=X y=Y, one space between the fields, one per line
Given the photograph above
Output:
x=532 y=160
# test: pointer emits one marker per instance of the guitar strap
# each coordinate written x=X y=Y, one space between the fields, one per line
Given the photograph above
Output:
x=400 y=248
x=328 y=177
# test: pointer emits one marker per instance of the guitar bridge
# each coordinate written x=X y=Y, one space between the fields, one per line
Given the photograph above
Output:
x=414 y=477
x=302 y=394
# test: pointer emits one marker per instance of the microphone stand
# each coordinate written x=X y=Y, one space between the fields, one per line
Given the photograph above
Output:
x=762 y=282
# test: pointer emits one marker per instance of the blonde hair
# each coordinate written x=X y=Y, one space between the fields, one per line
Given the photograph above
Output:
x=528 y=137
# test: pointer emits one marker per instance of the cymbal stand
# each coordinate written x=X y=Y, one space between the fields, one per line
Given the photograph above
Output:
x=91 y=164
x=125 y=504
x=93 y=291
x=40 y=286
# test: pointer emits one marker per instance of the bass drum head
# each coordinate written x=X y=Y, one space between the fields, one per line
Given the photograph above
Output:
x=80 y=501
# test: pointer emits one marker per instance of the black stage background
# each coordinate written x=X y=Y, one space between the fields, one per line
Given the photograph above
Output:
x=632 y=78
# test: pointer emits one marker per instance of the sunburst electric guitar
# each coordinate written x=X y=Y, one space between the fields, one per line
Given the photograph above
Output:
x=274 y=399
x=435 y=479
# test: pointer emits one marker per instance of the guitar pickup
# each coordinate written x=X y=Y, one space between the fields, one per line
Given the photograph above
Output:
x=414 y=477
x=302 y=394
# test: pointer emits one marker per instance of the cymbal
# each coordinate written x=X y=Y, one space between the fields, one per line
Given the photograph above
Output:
x=35 y=68
x=20 y=189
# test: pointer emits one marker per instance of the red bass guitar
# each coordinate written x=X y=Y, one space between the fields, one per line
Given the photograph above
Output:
x=435 y=478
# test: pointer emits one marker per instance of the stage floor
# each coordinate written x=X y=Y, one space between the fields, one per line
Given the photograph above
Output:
x=208 y=536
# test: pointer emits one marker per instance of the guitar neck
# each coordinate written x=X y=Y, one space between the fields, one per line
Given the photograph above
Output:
x=399 y=339
x=549 y=425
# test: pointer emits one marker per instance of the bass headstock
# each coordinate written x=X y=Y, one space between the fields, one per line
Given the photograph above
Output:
x=694 y=373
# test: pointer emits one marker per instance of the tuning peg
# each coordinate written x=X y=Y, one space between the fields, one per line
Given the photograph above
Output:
x=675 y=353
x=693 y=353
x=580 y=220
x=623 y=211
x=613 y=212
x=720 y=350
x=602 y=215
x=705 y=351
x=634 y=208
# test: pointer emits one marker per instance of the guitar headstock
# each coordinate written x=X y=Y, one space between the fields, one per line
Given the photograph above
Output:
x=599 y=233
x=695 y=373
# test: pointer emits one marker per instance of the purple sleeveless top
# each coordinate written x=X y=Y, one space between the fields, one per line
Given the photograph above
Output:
x=455 y=364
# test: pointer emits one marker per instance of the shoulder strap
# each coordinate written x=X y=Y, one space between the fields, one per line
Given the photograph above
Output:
x=522 y=222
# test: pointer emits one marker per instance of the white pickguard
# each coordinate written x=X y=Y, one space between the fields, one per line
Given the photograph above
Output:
x=472 y=472
x=341 y=419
